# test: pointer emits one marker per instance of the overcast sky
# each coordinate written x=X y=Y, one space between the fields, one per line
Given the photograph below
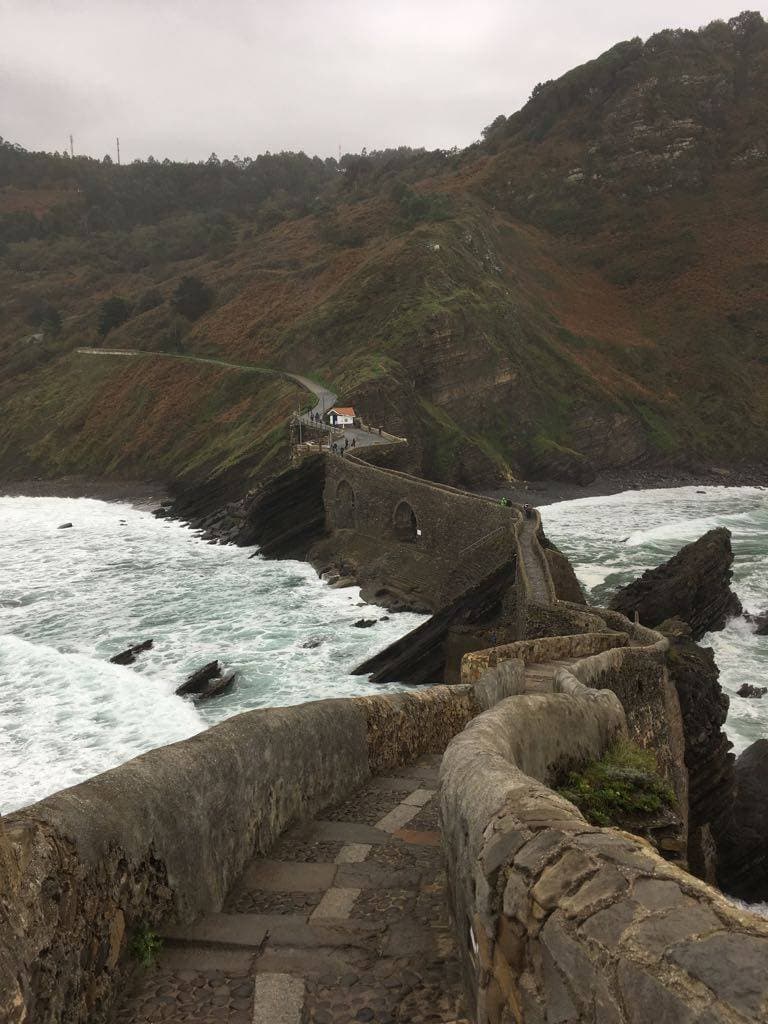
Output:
x=183 y=78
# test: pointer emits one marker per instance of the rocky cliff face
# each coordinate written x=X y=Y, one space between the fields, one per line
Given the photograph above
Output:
x=704 y=708
x=694 y=585
x=744 y=870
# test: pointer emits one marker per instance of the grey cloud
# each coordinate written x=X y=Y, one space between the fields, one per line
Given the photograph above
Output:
x=181 y=78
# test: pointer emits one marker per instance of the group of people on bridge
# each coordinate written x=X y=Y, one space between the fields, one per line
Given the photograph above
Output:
x=340 y=448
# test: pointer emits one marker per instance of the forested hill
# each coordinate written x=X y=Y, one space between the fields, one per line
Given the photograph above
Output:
x=584 y=288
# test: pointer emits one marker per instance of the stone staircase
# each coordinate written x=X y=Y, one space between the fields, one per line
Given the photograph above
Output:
x=345 y=921
x=540 y=678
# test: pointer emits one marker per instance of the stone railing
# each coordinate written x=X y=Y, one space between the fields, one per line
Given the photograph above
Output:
x=163 y=837
x=561 y=921
x=543 y=649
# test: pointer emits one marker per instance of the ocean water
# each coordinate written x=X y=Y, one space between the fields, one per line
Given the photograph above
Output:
x=612 y=540
x=70 y=599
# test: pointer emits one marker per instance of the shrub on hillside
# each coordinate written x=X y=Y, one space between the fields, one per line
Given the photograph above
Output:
x=150 y=299
x=420 y=206
x=192 y=298
x=46 y=317
x=113 y=312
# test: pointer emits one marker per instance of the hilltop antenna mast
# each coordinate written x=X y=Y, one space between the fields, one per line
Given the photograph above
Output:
x=71 y=147
x=118 y=150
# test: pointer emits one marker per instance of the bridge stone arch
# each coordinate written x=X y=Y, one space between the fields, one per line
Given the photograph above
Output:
x=404 y=523
x=344 y=505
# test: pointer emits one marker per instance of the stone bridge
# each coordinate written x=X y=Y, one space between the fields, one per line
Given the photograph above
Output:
x=397 y=858
x=425 y=541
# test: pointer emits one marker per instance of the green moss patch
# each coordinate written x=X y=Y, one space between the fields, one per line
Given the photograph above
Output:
x=625 y=784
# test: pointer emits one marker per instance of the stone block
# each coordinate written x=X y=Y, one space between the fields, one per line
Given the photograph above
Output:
x=501 y=848
x=506 y=979
x=612 y=847
x=733 y=966
x=484 y=943
x=511 y=941
x=602 y=888
x=557 y=879
x=493 y=1001
x=570 y=958
x=293 y=876
x=657 y=893
x=642 y=994
x=558 y=1003
x=539 y=851
x=607 y=926
x=517 y=897
x=661 y=931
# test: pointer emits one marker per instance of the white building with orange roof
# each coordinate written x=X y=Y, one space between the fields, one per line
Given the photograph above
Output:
x=342 y=416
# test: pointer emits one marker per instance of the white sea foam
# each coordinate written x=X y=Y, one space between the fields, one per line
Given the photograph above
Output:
x=636 y=530
x=69 y=599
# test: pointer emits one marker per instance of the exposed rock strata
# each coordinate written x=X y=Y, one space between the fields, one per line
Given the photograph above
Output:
x=567 y=586
x=694 y=585
x=744 y=870
x=420 y=656
x=704 y=708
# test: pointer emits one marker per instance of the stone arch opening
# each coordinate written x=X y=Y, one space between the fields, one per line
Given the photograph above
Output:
x=344 y=505
x=405 y=525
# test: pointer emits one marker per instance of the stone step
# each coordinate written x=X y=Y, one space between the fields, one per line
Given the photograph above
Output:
x=259 y=932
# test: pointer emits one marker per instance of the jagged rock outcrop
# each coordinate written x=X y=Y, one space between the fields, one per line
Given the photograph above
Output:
x=704 y=708
x=760 y=621
x=286 y=516
x=128 y=656
x=744 y=868
x=421 y=656
x=567 y=586
x=694 y=585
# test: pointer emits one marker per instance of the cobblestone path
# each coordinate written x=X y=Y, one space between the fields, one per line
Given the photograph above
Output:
x=344 y=922
x=533 y=568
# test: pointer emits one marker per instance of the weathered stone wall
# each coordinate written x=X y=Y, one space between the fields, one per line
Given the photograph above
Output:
x=163 y=837
x=461 y=537
x=543 y=649
x=559 y=921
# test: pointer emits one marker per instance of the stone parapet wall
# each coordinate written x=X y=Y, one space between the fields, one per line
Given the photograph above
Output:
x=163 y=837
x=543 y=649
x=559 y=921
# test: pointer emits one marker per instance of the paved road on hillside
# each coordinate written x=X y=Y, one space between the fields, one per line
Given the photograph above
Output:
x=326 y=398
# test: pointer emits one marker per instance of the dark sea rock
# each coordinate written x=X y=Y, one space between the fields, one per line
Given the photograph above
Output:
x=704 y=707
x=364 y=623
x=311 y=643
x=217 y=687
x=694 y=585
x=198 y=681
x=64 y=526
x=760 y=621
x=744 y=868
x=128 y=656
x=748 y=690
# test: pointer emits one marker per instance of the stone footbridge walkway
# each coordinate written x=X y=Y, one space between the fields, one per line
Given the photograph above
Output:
x=345 y=921
x=532 y=554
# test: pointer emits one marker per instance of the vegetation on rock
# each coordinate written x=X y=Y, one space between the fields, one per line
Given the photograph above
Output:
x=624 y=785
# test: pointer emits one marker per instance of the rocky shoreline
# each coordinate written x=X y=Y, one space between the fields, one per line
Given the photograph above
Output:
x=142 y=494
x=549 y=492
